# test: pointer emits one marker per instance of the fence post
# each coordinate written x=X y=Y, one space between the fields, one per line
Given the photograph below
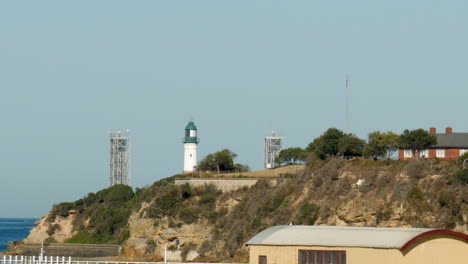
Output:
x=69 y=259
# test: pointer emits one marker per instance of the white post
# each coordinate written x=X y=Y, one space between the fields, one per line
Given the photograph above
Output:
x=69 y=260
x=41 y=255
x=165 y=253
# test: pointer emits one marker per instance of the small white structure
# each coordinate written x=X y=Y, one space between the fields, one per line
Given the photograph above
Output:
x=273 y=147
x=190 y=147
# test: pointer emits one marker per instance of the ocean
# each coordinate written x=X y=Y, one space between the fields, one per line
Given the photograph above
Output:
x=14 y=229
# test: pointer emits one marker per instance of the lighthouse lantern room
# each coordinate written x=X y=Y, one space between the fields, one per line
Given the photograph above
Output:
x=190 y=147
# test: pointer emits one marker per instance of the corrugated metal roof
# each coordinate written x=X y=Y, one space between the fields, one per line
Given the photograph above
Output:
x=336 y=236
x=453 y=140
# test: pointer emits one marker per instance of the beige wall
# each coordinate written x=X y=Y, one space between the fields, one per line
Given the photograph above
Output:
x=436 y=250
x=224 y=184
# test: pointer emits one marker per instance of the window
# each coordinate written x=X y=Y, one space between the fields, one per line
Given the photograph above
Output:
x=262 y=260
x=407 y=153
x=322 y=257
x=463 y=151
x=424 y=153
x=440 y=153
x=193 y=133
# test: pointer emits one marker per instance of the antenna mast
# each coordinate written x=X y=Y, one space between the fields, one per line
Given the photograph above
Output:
x=347 y=102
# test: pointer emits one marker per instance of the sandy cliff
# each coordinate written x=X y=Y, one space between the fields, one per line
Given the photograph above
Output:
x=207 y=225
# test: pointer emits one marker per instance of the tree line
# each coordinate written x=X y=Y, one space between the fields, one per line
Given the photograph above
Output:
x=380 y=145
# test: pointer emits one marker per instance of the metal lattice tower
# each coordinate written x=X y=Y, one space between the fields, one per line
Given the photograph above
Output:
x=119 y=158
x=273 y=147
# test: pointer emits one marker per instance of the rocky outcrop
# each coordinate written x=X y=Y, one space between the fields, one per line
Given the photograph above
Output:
x=205 y=225
x=57 y=231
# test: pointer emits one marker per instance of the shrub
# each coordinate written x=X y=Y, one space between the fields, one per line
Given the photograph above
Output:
x=308 y=214
x=275 y=202
x=61 y=209
x=445 y=199
x=207 y=199
x=461 y=176
x=52 y=228
x=416 y=194
x=383 y=215
x=169 y=202
x=188 y=215
x=50 y=240
x=415 y=169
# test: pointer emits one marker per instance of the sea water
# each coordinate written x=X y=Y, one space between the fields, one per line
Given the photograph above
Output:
x=14 y=229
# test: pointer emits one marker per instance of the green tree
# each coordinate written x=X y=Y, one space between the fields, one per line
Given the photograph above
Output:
x=416 y=141
x=222 y=160
x=292 y=156
x=327 y=144
x=350 y=145
x=335 y=142
x=382 y=145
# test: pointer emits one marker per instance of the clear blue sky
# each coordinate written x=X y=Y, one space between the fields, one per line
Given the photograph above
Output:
x=72 y=70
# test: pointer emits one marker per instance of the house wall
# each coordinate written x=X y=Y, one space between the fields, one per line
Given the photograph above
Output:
x=450 y=154
x=434 y=250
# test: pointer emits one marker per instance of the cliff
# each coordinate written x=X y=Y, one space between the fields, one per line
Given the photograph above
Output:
x=206 y=224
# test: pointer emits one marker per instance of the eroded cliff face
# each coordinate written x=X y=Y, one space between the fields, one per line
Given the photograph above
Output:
x=206 y=225
x=59 y=230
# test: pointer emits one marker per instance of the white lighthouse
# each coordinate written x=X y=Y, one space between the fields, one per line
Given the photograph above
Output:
x=190 y=147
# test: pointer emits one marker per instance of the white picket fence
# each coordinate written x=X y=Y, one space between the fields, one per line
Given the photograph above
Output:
x=34 y=260
x=68 y=260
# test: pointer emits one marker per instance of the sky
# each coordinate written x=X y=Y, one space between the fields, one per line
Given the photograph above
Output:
x=70 y=71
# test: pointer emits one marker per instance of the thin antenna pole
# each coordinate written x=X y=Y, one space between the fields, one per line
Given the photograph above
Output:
x=347 y=102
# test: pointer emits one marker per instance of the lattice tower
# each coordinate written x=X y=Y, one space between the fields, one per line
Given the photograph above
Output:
x=119 y=158
x=273 y=146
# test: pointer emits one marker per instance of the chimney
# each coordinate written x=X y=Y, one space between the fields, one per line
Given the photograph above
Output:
x=432 y=130
x=448 y=130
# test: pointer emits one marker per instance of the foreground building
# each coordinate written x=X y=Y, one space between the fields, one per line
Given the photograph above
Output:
x=357 y=245
x=449 y=146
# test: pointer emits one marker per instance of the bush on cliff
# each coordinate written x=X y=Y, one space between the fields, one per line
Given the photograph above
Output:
x=101 y=217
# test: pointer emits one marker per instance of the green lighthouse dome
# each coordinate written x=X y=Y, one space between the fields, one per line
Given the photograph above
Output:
x=190 y=126
x=190 y=133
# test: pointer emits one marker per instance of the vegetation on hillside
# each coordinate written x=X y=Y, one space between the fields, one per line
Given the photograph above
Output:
x=372 y=192
x=402 y=192
x=102 y=217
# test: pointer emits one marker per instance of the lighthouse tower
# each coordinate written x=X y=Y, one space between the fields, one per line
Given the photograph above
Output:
x=190 y=147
